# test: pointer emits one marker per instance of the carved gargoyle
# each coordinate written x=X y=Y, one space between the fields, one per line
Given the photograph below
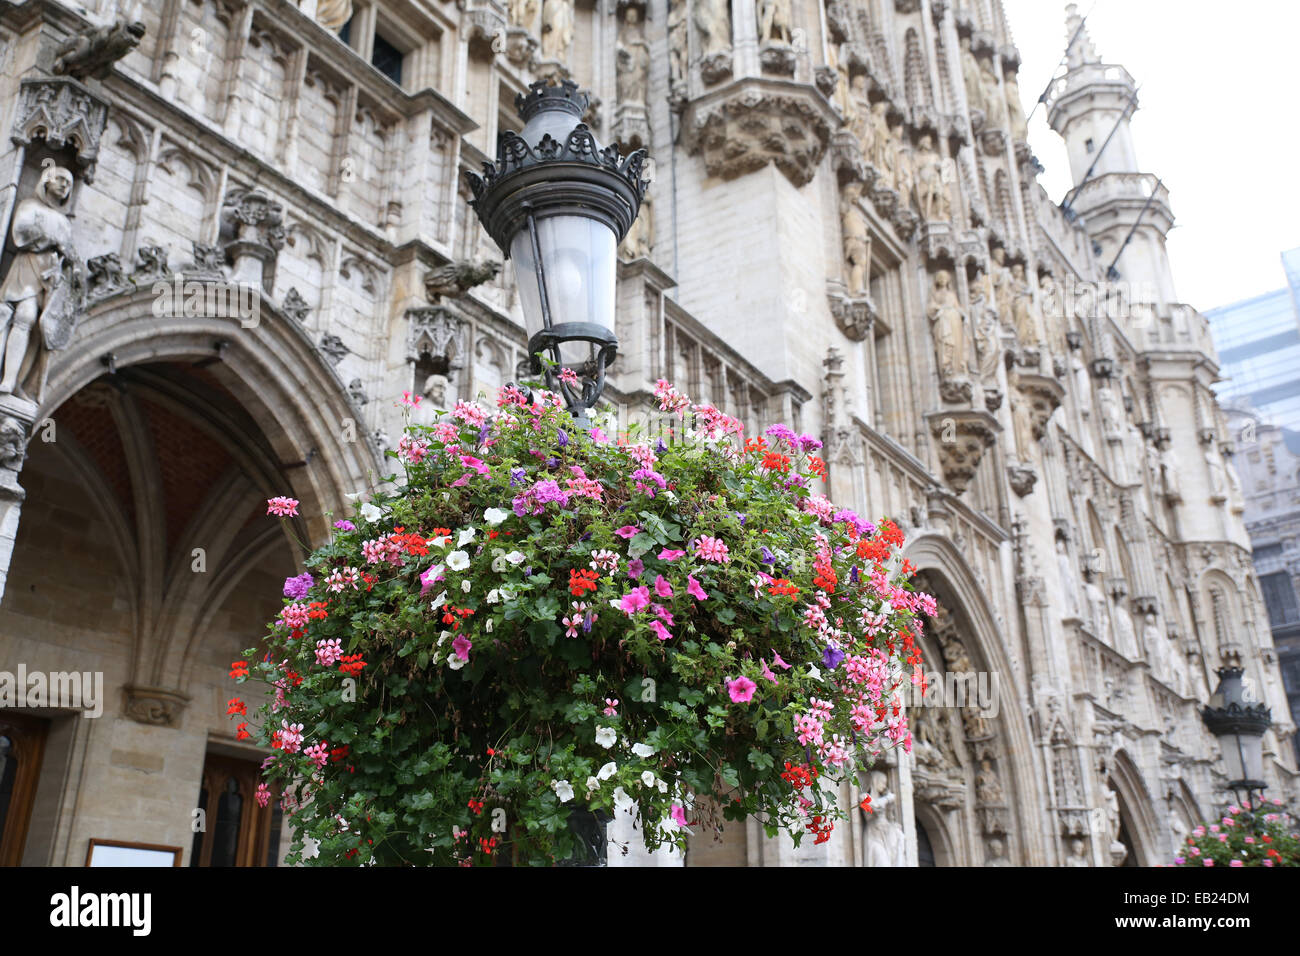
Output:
x=456 y=278
x=94 y=52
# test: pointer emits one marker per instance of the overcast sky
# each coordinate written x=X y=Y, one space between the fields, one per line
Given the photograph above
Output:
x=1217 y=118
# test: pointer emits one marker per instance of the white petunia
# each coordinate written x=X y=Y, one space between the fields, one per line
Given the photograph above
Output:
x=621 y=800
x=563 y=789
x=607 y=771
x=663 y=786
x=813 y=672
x=499 y=565
x=487 y=628
x=455 y=662
x=466 y=585
x=465 y=538
x=643 y=750
x=494 y=596
x=516 y=557
x=458 y=560
x=592 y=784
x=606 y=737
x=370 y=512
x=494 y=516
x=439 y=601
x=441 y=541
x=648 y=779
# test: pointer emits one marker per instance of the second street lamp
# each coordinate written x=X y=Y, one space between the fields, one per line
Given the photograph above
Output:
x=1239 y=726
x=558 y=204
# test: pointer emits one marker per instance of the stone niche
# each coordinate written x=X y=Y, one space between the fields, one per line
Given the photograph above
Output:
x=743 y=126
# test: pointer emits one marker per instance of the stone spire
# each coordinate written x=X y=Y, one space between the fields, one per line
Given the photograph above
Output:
x=1081 y=51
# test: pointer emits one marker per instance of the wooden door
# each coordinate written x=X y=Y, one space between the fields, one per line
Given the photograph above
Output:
x=22 y=747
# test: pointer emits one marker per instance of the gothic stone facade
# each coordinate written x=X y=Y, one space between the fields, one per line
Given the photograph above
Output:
x=844 y=233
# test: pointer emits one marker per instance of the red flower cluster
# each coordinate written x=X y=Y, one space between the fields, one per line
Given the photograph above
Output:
x=338 y=753
x=756 y=445
x=826 y=578
x=238 y=669
x=236 y=706
x=241 y=732
x=817 y=466
x=352 y=664
x=412 y=543
x=821 y=827
x=476 y=807
x=782 y=586
x=775 y=461
x=798 y=777
x=581 y=581
x=317 y=610
x=453 y=616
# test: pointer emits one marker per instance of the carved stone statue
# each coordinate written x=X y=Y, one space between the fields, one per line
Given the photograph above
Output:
x=437 y=390
x=1019 y=125
x=332 y=14
x=904 y=172
x=1078 y=853
x=94 y=52
x=884 y=838
x=988 y=787
x=1125 y=639
x=948 y=325
x=857 y=241
x=858 y=114
x=1218 y=479
x=997 y=852
x=1023 y=313
x=930 y=187
x=523 y=13
x=557 y=29
x=1069 y=584
x=43 y=288
x=995 y=104
x=632 y=59
x=1169 y=471
x=1023 y=424
x=1003 y=285
x=984 y=319
x=1053 y=313
x=676 y=42
x=1111 y=423
x=1117 y=849
x=1154 y=644
x=970 y=74
x=774 y=22
x=1098 y=610
x=640 y=239
x=713 y=24
x=881 y=144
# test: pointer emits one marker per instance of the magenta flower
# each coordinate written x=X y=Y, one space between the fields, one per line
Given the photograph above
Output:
x=668 y=554
x=679 y=815
x=662 y=587
x=627 y=531
x=461 y=646
x=635 y=567
x=741 y=690
x=712 y=549
x=767 y=672
x=694 y=590
x=661 y=632
x=663 y=614
x=638 y=599
x=345 y=525
x=282 y=507
x=296 y=588
x=776 y=659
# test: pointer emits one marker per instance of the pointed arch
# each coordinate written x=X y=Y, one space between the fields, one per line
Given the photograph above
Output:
x=1136 y=808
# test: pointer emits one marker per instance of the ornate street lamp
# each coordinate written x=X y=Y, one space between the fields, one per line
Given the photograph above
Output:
x=1239 y=727
x=559 y=203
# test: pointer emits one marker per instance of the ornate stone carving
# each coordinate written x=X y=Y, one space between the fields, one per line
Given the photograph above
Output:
x=949 y=326
x=454 y=279
x=557 y=30
x=854 y=315
x=43 y=293
x=252 y=234
x=1022 y=479
x=94 y=52
x=960 y=440
x=357 y=392
x=333 y=14
x=209 y=261
x=152 y=264
x=155 y=705
x=751 y=123
x=433 y=330
x=13 y=445
x=295 y=306
x=677 y=50
x=104 y=276
x=333 y=348
x=63 y=113
x=1044 y=394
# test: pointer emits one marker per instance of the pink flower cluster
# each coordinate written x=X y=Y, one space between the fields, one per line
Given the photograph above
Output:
x=282 y=507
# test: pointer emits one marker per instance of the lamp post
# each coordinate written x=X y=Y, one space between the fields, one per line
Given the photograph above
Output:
x=1239 y=727
x=558 y=204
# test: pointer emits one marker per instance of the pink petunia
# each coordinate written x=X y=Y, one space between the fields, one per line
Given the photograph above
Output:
x=662 y=587
x=741 y=690
x=635 y=567
x=661 y=632
x=679 y=815
x=627 y=531
x=776 y=659
x=668 y=554
x=461 y=646
x=767 y=672
x=694 y=590
x=638 y=599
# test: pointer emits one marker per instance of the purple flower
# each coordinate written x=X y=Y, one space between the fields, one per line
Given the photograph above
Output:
x=345 y=525
x=563 y=438
x=518 y=476
x=809 y=443
x=296 y=588
x=483 y=434
x=552 y=462
x=832 y=656
x=768 y=556
x=660 y=447
x=635 y=567
x=781 y=433
x=853 y=574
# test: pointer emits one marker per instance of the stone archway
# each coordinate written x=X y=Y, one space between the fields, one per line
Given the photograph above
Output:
x=1132 y=815
x=999 y=776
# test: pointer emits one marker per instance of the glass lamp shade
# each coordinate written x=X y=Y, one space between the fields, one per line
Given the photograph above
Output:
x=1243 y=756
x=578 y=269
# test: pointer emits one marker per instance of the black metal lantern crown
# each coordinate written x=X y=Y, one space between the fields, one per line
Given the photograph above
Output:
x=558 y=203
x=1239 y=726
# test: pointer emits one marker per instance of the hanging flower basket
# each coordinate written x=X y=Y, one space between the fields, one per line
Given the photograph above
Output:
x=538 y=621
